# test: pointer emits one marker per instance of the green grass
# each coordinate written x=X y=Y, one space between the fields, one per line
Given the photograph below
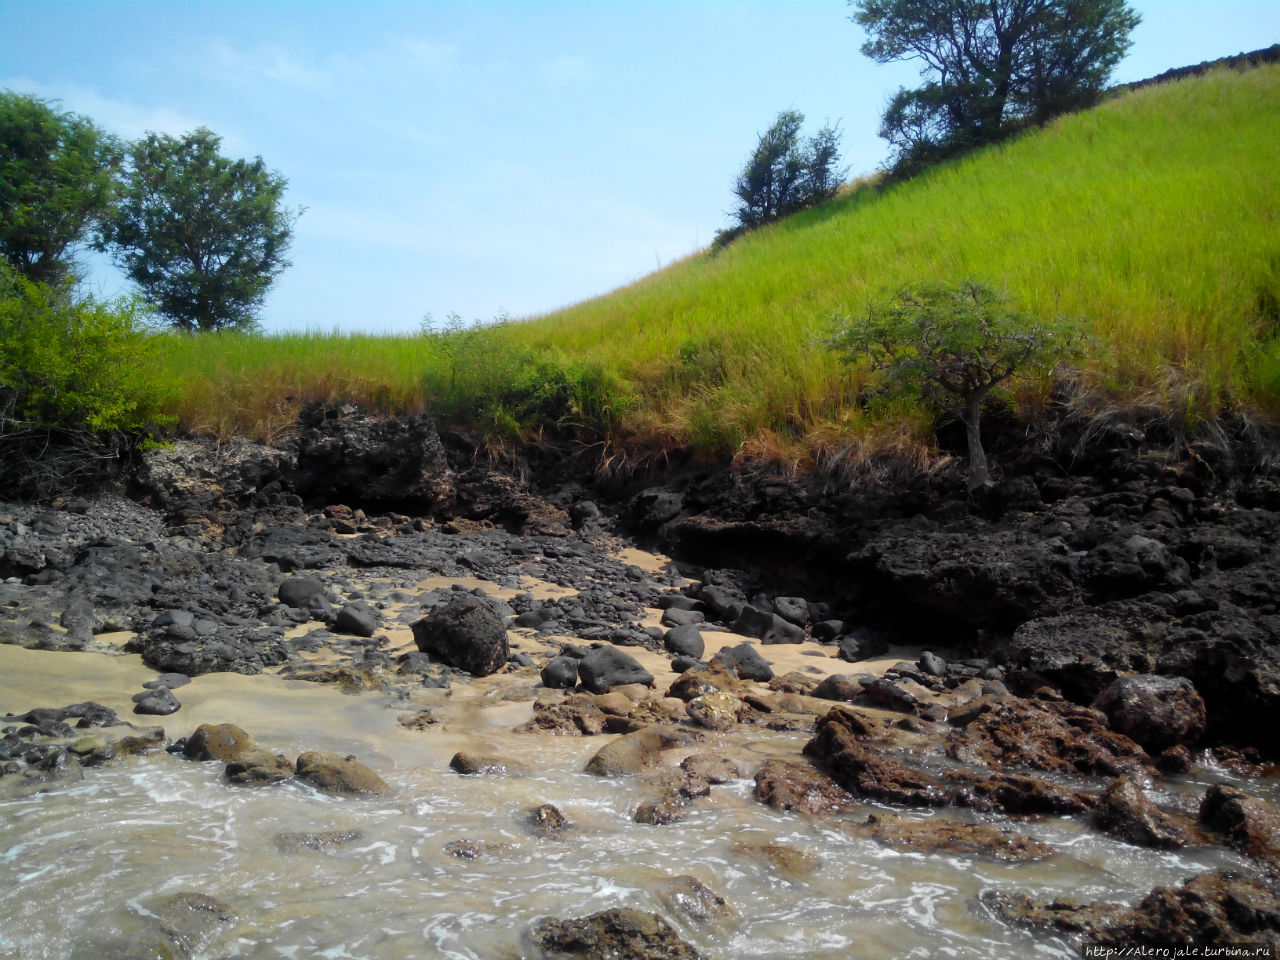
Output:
x=1154 y=219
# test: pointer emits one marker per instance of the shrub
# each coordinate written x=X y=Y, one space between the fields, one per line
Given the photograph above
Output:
x=77 y=389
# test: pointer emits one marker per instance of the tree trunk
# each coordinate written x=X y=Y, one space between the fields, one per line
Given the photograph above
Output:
x=973 y=433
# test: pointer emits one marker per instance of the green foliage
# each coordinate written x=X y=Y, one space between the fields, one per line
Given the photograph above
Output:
x=992 y=67
x=951 y=345
x=202 y=236
x=783 y=175
x=78 y=385
x=76 y=363
x=56 y=184
x=1152 y=215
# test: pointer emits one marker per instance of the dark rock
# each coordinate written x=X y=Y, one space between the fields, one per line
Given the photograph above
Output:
x=336 y=774
x=296 y=591
x=753 y=622
x=860 y=645
x=607 y=667
x=1130 y=564
x=619 y=934
x=744 y=661
x=783 y=631
x=825 y=631
x=464 y=633
x=838 y=686
x=685 y=641
x=677 y=617
x=560 y=673
x=792 y=609
x=685 y=664
x=159 y=702
x=172 y=681
x=358 y=619
x=933 y=664
x=1155 y=711
x=723 y=603
x=658 y=812
x=345 y=456
x=887 y=695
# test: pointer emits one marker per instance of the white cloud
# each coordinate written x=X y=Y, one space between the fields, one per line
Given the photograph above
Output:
x=270 y=63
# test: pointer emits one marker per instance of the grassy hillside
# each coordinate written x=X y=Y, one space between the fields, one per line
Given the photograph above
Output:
x=1154 y=219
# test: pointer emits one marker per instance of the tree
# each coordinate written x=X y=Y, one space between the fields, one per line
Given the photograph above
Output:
x=202 y=235
x=952 y=344
x=784 y=175
x=992 y=65
x=56 y=182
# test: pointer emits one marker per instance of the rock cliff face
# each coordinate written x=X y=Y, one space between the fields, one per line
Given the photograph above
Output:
x=1098 y=555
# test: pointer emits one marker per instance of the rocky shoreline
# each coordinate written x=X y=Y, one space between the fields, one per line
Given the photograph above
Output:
x=1095 y=627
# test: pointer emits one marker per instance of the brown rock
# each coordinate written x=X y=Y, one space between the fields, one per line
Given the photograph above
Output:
x=318 y=842
x=694 y=683
x=718 y=710
x=1124 y=812
x=1035 y=735
x=475 y=763
x=1155 y=711
x=784 y=785
x=620 y=934
x=710 y=767
x=794 y=682
x=938 y=835
x=256 y=766
x=547 y=821
x=789 y=861
x=1066 y=916
x=1211 y=908
x=695 y=901
x=838 y=748
x=475 y=849
x=336 y=774
x=660 y=811
x=614 y=703
x=1016 y=795
x=633 y=752
x=222 y=741
x=575 y=716
x=1248 y=824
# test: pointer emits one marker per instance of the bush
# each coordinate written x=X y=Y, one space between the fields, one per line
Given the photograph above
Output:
x=77 y=391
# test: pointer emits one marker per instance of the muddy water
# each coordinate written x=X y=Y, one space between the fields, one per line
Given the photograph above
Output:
x=89 y=861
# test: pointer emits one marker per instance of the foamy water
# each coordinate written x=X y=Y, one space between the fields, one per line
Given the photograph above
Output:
x=86 y=862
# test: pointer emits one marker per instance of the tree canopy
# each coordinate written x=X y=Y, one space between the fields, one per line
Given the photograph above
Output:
x=785 y=174
x=951 y=345
x=56 y=183
x=203 y=236
x=991 y=65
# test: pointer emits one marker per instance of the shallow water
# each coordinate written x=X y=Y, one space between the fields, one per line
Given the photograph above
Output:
x=85 y=862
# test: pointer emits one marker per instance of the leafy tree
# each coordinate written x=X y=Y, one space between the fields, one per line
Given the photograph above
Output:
x=202 y=235
x=991 y=65
x=56 y=181
x=784 y=174
x=951 y=345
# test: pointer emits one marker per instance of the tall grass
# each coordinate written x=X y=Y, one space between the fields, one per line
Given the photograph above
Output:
x=1152 y=219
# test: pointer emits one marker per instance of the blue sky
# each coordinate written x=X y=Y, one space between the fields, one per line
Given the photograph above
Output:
x=486 y=157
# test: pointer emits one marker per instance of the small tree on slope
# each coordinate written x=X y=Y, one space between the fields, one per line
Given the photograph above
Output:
x=951 y=344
